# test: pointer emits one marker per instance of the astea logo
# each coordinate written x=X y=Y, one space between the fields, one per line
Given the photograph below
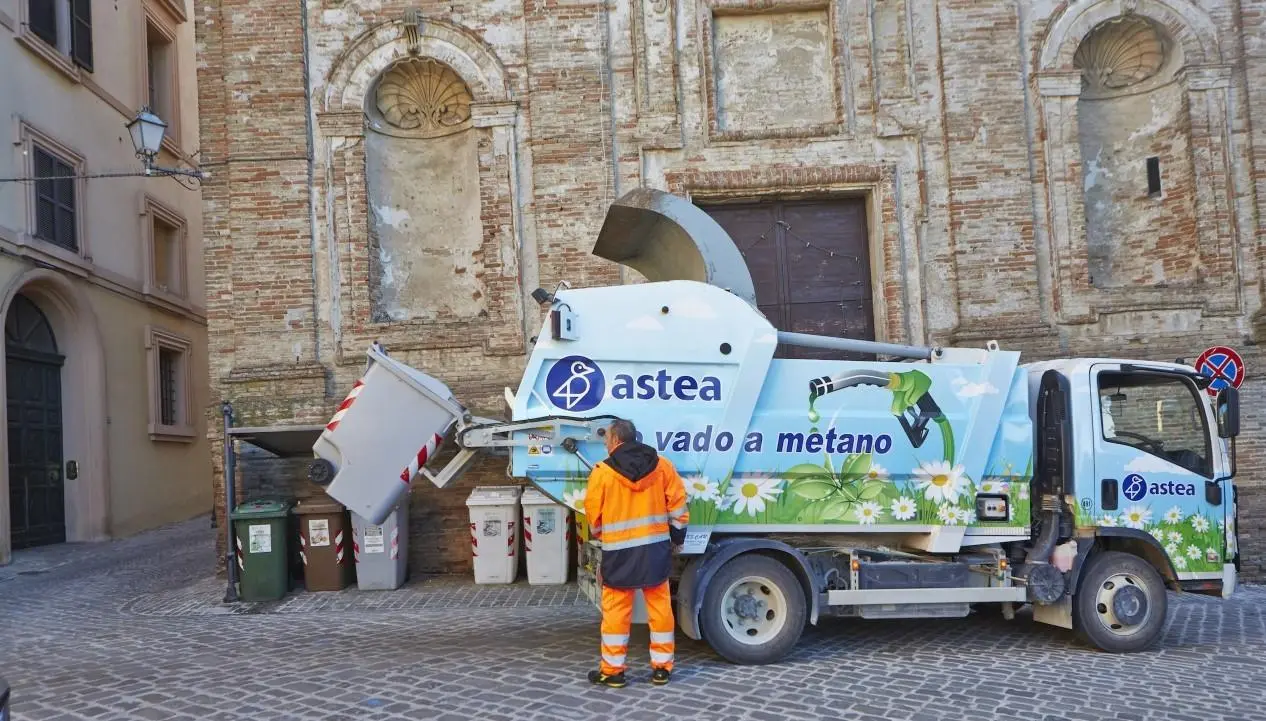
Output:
x=576 y=383
x=1136 y=488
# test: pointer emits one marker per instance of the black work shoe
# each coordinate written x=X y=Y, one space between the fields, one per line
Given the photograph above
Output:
x=660 y=676
x=612 y=680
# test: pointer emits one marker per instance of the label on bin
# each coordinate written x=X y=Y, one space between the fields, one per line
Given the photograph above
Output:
x=261 y=538
x=492 y=527
x=319 y=532
x=373 y=539
x=545 y=521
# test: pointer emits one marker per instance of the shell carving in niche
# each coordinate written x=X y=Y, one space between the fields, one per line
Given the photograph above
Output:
x=424 y=96
x=1120 y=53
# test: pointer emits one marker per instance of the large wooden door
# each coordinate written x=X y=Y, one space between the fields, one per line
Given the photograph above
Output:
x=810 y=262
x=37 y=494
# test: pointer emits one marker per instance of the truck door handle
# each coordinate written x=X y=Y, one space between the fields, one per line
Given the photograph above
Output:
x=1108 y=494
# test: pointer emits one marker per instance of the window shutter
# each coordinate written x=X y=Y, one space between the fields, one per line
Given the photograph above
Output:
x=43 y=20
x=81 y=33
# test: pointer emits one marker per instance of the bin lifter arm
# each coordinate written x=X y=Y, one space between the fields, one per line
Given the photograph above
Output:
x=484 y=435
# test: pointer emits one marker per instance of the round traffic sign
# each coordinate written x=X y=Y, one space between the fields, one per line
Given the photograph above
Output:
x=1223 y=365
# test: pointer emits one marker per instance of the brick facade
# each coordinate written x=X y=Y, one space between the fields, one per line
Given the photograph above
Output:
x=962 y=122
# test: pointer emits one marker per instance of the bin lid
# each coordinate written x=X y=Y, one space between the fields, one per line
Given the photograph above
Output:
x=494 y=496
x=318 y=505
x=262 y=508
x=533 y=497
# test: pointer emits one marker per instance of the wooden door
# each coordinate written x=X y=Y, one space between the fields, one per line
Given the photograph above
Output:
x=810 y=263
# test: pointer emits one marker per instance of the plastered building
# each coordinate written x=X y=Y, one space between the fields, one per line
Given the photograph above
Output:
x=1069 y=178
x=101 y=293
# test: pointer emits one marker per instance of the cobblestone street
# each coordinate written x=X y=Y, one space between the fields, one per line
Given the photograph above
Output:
x=135 y=630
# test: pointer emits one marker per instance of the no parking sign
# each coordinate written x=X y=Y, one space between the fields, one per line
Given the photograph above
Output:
x=1223 y=365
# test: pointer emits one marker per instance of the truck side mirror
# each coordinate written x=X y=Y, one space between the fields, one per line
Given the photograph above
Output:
x=1228 y=412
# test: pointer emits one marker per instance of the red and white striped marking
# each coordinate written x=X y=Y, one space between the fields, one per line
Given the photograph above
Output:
x=527 y=533
x=338 y=547
x=347 y=403
x=474 y=541
x=395 y=543
x=240 y=562
x=355 y=550
x=303 y=547
x=510 y=549
x=420 y=460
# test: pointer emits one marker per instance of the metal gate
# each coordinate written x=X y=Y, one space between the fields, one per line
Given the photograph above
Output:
x=37 y=496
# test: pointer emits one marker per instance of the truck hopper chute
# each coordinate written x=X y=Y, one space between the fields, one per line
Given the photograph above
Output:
x=821 y=479
x=665 y=238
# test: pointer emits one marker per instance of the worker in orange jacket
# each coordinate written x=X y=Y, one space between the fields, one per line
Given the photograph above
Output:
x=636 y=507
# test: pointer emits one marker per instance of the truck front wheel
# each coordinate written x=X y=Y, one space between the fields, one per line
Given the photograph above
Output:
x=1122 y=603
x=753 y=610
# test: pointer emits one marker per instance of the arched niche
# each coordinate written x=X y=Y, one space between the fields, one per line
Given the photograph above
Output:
x=419 y=213
x=1115 y=244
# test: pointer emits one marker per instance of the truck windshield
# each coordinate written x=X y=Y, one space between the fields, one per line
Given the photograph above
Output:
x=1158 y=414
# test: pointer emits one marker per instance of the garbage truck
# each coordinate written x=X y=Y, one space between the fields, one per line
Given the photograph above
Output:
x=894 y=482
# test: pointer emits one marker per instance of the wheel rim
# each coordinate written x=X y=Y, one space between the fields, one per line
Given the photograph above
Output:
x=754 y=610
x=1122 y=604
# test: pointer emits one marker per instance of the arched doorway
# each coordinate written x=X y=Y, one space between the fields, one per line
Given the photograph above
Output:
x=33 y=389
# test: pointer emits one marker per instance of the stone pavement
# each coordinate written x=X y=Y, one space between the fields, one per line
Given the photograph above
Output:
x=135 y=630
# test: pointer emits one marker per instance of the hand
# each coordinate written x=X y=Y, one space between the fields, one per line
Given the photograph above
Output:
x=677 y=548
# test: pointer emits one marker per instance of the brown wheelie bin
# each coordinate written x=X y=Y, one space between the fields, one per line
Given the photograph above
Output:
x=325 y=544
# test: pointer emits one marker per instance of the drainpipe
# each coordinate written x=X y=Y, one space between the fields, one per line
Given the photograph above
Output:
x=230 y=480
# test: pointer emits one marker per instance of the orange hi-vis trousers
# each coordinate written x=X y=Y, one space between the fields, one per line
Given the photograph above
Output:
x=617 y=618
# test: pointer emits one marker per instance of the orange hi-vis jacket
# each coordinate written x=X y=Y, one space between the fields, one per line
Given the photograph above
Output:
x=636 y=507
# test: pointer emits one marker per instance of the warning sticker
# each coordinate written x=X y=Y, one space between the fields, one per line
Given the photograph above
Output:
x=534 y=451
x=373 y=539
x=492 y=527
x=319 y=532
x=261 y=539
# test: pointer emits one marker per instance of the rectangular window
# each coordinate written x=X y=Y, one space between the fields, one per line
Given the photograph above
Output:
x=54 y=200
x=164 y=237
x=1153 y=177
x=1158 y=414
x=65 y=28
x=168 y=372
x=169 y=386
x=159 y=71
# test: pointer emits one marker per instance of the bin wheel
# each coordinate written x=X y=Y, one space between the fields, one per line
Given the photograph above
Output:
x=321 y=472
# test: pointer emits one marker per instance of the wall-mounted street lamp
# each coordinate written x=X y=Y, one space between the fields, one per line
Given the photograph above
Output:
x=147 y=131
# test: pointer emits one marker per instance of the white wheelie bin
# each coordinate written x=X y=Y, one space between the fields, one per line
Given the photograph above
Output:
x=494 y=533
x=546 y=538
x=383 y=433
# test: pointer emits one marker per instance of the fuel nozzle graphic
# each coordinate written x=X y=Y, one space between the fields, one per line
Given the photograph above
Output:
x=911 y=403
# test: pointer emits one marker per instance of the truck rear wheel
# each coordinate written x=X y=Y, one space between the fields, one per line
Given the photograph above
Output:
x=753 y=610
x=1122 y=603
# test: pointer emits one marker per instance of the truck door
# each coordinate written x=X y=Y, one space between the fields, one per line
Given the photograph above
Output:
x=1155 y=463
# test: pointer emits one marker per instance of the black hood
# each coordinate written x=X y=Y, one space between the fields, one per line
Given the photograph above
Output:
x=633 y=460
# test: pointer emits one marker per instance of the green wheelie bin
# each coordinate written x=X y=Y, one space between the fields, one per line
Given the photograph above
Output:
x=263 y=560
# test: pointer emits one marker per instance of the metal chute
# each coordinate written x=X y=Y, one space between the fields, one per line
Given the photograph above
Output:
x=666 y=237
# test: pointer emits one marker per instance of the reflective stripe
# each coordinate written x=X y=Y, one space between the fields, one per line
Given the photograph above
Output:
x=660 y=637
x=676 y=524
x=657 y=657
x=635 y=542
x=611 y=639
x=595 y=528
x=616 y=661
x=678 y=510
x=636 y=522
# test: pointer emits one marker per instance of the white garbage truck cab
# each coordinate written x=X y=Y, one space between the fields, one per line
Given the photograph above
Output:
x=896 y=482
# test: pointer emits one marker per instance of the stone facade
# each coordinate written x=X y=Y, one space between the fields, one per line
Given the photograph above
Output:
x=1003 y=150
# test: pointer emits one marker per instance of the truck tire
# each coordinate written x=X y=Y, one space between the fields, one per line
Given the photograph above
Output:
x=1122 y=603
x=753 y=610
